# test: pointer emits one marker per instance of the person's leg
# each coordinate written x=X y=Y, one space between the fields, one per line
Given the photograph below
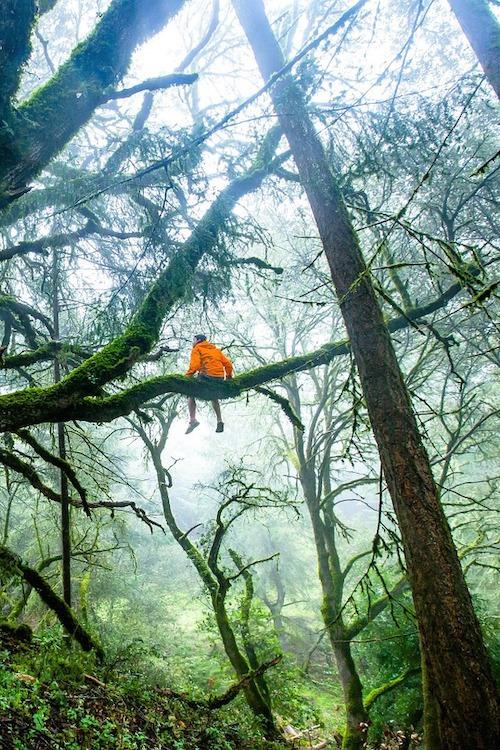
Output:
x=192 y=409
x=216 y=408
x=192 y=415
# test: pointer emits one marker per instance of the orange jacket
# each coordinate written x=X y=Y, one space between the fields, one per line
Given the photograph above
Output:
x=208 y=360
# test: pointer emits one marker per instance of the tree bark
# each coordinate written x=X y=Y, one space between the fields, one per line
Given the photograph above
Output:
x=253 y=695
x=459 y=669
x=483 y=34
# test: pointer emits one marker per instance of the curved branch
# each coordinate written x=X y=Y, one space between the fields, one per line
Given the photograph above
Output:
x=377 y=693
x=11 y=562
x=60 y=463
x=285 y=404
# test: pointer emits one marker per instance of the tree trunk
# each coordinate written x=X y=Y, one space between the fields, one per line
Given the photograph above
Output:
x=256 y=701
x=355 y=714
x=483 y=33
x=459 y=669
x=61 y=446
x=253 y=695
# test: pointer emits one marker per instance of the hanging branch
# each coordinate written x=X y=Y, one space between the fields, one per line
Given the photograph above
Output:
x=285 y=405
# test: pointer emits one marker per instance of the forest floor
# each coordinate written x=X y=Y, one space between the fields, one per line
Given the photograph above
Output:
x=55 y=697
x=47 y=702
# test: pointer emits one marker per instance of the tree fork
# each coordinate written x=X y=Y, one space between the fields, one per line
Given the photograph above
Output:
x=451 y=639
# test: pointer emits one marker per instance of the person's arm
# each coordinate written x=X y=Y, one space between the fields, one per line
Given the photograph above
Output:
x=228 y=365
x=194 y=362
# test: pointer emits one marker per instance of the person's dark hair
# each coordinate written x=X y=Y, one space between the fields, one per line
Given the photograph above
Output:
x=200 y=337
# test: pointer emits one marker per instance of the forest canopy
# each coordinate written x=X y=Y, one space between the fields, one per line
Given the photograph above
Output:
x=302 y=552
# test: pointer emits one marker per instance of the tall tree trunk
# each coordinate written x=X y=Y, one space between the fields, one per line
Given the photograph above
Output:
x=432 y=739
x=483 y=33
x=355 y=714
x=459 y=669
x=61 y=446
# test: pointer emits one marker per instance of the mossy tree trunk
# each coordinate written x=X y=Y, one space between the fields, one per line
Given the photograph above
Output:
x=10 y=562
x=458 y=665
x=482 y=30
x=315 y=478
x=330 y=576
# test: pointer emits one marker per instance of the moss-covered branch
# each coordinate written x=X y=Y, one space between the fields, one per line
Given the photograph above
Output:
x=284 y=404
x=44 y=353
x=14 y=565
x=43 y=244
x=390 y=685
x=35 y=132
x=37 y=405
x=56 y=403
x=152 y=84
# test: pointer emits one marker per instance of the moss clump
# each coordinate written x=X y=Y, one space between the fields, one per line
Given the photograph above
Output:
x=10 y=631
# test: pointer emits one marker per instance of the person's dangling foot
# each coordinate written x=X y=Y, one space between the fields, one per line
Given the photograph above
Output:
x=192 y=426
x=220 y=427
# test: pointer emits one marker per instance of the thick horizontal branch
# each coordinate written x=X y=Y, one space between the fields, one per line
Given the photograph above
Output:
x=36 y=405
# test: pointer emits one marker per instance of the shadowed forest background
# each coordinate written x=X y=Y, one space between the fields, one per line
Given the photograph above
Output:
x=311 y=184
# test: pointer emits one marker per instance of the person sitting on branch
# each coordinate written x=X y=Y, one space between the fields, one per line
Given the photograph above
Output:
x=210 y=364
